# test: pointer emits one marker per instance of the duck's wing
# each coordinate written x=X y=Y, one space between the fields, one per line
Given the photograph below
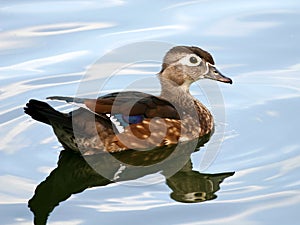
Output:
x=146 y=121
x=130 y=103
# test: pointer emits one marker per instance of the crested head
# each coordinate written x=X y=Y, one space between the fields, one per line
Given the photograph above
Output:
x=183 y=65
x=177 y=52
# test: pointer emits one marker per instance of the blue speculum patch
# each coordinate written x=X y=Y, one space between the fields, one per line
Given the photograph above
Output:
x=127 y=120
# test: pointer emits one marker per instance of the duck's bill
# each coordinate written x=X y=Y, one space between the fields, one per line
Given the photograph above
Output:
x=214 y=74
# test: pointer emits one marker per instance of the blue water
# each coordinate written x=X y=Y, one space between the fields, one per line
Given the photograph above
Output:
x=46 y=47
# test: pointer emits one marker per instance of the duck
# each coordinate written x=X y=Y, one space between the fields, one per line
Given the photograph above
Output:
x=147 y=121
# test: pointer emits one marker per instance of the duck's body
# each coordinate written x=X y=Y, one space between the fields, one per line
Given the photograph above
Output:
x=148 y=121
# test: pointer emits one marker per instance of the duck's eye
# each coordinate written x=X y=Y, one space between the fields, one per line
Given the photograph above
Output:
x=190 y=60
x=193 y=60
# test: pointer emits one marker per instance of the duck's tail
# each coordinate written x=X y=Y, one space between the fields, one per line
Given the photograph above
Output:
x=67 y=99
x=43 y=112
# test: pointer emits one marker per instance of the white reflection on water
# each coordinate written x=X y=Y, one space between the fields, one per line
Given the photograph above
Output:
x=21 y=221
x=21 y=87
x=57 y=29
x=58 y=6
x=286 y=166
x=21 y=37
x=272 y=172
x=142 y=201
x=185 y=3
x=12 y=136
x=36 y=65
x=22 y=189
x=238 y=25
x=69 y=222
x=260 y=87
x=270 y=201
x=243 y=22
x=165 y=29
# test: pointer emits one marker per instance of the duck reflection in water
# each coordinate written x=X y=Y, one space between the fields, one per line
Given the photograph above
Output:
x=159 y=134
x=75 y=174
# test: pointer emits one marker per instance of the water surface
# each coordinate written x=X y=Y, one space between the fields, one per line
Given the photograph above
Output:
x=46 y=48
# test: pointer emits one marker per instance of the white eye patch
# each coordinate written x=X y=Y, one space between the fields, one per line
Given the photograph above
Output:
x=190 y=60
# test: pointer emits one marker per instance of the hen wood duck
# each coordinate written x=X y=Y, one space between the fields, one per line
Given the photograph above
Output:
x=148 y=121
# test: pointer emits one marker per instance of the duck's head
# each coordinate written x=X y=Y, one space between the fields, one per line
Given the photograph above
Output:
x=185 y=65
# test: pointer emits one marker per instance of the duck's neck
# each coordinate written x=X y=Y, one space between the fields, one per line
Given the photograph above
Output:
x=173 y=92
x=176 y=89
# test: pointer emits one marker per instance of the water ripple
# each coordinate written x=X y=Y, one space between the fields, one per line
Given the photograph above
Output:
x=62 y=28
